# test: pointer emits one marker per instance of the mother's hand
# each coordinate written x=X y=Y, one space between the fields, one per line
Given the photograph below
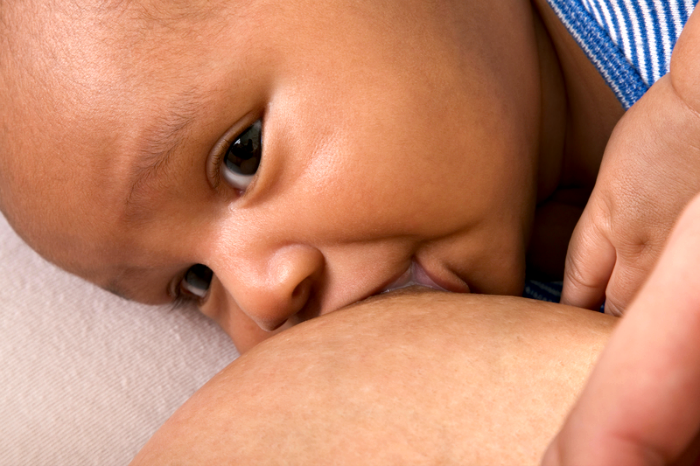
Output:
x=642 y=404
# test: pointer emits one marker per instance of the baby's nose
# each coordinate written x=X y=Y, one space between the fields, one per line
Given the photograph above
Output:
x=273 y=289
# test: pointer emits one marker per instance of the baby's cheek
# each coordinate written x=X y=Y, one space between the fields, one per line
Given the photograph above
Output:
x=245 y=334
x=243 y=331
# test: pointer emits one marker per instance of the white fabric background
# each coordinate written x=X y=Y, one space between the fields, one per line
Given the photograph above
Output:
x=85 y=377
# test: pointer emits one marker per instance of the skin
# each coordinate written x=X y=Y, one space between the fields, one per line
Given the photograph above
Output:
x=349 y=180
x=386 y=382
x=640 y=406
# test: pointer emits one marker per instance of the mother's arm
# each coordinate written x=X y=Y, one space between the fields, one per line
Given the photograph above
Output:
x=415 y=378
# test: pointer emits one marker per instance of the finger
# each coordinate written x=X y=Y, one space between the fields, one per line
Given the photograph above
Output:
x=628 y=276
x=590 y=260
x=642 y=404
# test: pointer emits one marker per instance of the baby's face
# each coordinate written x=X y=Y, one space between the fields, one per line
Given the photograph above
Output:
x=308 y=154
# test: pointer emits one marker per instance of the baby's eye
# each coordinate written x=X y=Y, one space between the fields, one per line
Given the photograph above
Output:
x=196 y=281
x=242 y=159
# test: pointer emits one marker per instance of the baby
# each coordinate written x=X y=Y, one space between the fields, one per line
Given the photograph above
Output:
x=276 y=162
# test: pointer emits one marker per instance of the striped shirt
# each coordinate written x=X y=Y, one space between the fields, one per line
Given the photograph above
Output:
x=629 y=41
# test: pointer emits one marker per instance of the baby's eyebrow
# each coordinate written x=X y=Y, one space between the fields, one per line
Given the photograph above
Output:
x=155 y=149
x=116 y=291
x=116 y=286
x=134 y=283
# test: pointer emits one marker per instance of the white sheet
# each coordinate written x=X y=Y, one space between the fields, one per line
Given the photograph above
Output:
x=85 y=377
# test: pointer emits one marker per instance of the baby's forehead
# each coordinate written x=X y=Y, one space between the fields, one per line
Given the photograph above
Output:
x=59 y=26
x=62 y=53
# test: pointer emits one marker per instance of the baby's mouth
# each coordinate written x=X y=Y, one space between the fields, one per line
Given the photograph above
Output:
x=415 y=275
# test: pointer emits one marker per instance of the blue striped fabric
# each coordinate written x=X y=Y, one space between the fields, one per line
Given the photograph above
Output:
x=546 y=291
x=629 y=41
x=543 y=291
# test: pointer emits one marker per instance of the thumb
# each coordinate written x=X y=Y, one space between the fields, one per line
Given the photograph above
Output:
x=641 y=406
x=590 y=260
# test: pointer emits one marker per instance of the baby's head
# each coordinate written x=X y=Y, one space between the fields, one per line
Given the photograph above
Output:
x=307 y=153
